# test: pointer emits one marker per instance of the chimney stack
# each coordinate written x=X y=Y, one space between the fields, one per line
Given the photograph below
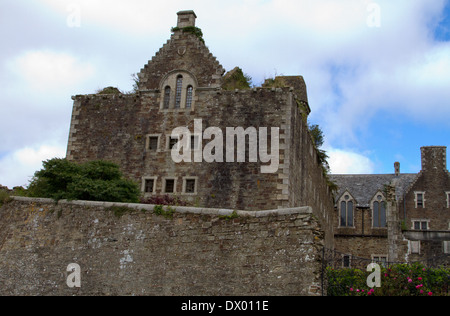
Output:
x=397 y=168
x=186 y=18
x=434 y=158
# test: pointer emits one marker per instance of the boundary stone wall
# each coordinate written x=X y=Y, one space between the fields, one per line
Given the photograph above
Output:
x=190 y=251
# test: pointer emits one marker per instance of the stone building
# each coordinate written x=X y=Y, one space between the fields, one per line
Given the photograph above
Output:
x=182 y=87
x=395 y=217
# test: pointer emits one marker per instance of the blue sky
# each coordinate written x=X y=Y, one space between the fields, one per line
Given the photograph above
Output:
x=377 y=72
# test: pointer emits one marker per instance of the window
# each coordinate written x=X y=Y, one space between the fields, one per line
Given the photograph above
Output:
x=171 y=142
x=420 y=199
x=379 y=212
x=167 y=92
x=346 y=212
x=346 y=261
x=149 y=185
x=190 y=89
x=414 y=247
x=446 y=247
x=169 y=185
x=420 y=225
x=380 y=259
x=178 y=91
x=190 y=186
x=153 y=143
x=195 y=142
x=448 y=199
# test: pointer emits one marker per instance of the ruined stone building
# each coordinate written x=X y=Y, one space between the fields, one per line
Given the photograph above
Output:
x=396 y=217
x=182 y=86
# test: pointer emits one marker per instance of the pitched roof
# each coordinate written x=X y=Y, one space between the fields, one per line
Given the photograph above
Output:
x=363 y=187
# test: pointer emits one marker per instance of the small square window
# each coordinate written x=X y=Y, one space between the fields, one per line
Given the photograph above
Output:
x=153 y=143
x=190 y=186
x=169 y=186
x=149 y=185
x=173 y=141
x=346 y=261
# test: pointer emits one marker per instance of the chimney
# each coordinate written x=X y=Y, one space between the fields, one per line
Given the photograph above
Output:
x=397 y=168
x=186 y=18
x=434 y=158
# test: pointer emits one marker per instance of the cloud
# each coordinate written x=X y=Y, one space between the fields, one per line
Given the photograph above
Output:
x=16 y=167
x=50 y=71
x=349 y=162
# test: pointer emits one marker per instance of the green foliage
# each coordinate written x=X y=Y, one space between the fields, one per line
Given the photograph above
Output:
x=160 y=211
x=136 y=82
x=4 y=197
x=93 y=181
x=192 y=30
x=396 y=280
x=230 y=217
x=236 y=79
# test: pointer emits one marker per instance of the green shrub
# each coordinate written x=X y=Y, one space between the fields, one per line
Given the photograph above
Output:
x=4 y=197
x=92 y=181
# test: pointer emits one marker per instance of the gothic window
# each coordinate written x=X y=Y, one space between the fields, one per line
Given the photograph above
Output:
x=189 y=97
x=178 y=91
x=379 y=212
x=167 y=97
x=346 y=212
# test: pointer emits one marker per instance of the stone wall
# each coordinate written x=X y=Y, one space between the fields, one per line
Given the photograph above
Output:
x=192 y=252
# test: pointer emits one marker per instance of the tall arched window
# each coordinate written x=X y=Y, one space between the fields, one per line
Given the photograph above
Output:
x=189 y=97
x=379 y=212
x=347 y=212
x=166 y=97
x=178 y=91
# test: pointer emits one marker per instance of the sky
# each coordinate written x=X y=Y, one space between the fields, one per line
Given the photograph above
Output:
x=377 y=72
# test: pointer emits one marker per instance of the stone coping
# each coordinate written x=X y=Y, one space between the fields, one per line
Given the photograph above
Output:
x=305 y=210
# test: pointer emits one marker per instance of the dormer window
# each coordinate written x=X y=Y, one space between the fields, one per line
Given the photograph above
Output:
x=346 y=211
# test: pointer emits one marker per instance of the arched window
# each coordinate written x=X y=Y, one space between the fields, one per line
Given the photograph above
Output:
x=178 y=91
x=379 y=212
x=189 y=97
x=347 y=212
x=167 y=97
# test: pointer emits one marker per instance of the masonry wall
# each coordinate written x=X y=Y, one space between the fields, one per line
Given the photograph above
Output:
x=197 y=252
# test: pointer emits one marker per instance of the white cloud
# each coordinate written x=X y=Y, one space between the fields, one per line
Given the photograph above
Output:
x=49 y=71
x=349 y=162
x=18 y=167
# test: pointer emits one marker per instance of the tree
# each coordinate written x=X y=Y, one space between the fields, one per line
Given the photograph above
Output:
x=93 y=181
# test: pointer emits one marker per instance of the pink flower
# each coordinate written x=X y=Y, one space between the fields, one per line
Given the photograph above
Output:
x=421 y=291
x=419 y=286
x=369 y=293
x=351 y=289
x=357 y=291
x=430 y=293
x=409 y=281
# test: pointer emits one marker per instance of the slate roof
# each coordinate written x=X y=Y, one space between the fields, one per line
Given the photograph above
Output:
x=363 y=187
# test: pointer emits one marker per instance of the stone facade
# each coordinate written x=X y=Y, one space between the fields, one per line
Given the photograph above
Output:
x=189 y=253
x=415 y=224
x=181 y=87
